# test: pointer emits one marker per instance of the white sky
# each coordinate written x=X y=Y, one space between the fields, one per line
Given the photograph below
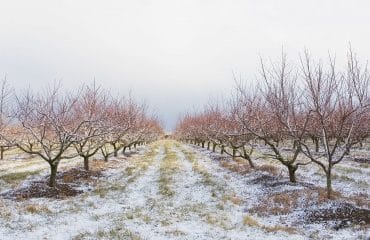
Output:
x=175 y=54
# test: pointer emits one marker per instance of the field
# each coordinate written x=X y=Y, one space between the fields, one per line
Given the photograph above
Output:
x=171 y=190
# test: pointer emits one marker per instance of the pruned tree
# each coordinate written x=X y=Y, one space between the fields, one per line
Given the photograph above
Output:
x=48 y=118
x=6 y=130
x=340 y=105
x=91 y=107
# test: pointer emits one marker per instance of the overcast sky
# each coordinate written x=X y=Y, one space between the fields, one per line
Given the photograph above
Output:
x=174 y=54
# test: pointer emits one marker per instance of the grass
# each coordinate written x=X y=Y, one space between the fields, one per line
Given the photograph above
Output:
x=175 y=233
x=251 y=222
x=136 y=214
x=348 y=170
x=283 y=203
x=135 y=170
x=167 y=168
x=217 y=219
x=18 y=176
x=364 y=165
x=239 y=165
x=37 y=209
x=342 y=177
x=207 y=178
x=233 y=199
x=117 y=233
x=269 y=168
x=276 y=204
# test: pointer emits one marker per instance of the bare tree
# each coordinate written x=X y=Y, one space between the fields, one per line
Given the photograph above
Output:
x=6 y=131
x=339 y=102
x=274 y=113
x=49 y=120
x=91 y=108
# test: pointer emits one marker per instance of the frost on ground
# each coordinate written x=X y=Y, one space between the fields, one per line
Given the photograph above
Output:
x=170 y=191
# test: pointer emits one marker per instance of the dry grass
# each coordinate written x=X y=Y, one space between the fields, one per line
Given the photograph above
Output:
x=175 y=233
x=17 y=177
x=276 y=204
x=99 y=165
x=319 y=195
x=232 y=198
x=360 y=199
x=269 y=168
x=251 y=222
x=242 y=166
x=215 y=219
x=283 y=203
x=239 y=165
x=5 y=211
x=37 y=209
x=168 y=167
x=277 y=228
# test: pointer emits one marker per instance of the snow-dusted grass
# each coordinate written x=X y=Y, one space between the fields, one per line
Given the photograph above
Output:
x=167 y=190
x=291 y=201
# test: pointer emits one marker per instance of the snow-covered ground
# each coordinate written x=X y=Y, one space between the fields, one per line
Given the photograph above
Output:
x=167 y=190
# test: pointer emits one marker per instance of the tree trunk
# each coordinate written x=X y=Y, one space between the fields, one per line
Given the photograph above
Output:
x=202 y=144
x=348 y=151
x=86 y=163
x=291 y=170
x=246 y=156
x=53 y=174
x=251 y=164
x=106 y=158
x=214 y=147
x=2 y=150
x=208 y=145
x=115 y=150
x=234 y=152
x=222 y=149
x=317 y=146
x=329 y=189
x=124 y=150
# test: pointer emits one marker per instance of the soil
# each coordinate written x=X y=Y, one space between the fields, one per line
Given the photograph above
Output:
x=40 y=189
x=67 y=185
x=343 y=215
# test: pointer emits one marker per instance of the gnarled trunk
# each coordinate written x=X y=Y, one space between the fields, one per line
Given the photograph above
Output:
x=115 y=150
x=86 y=163
x=249 y=159
x=124 y=149
x=234 y=152
x=292 y=169
x=53 y=174
x=214 y=147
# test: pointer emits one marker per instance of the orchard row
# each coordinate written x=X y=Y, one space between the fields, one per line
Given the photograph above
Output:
x=304 y=112
x=56 y=124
